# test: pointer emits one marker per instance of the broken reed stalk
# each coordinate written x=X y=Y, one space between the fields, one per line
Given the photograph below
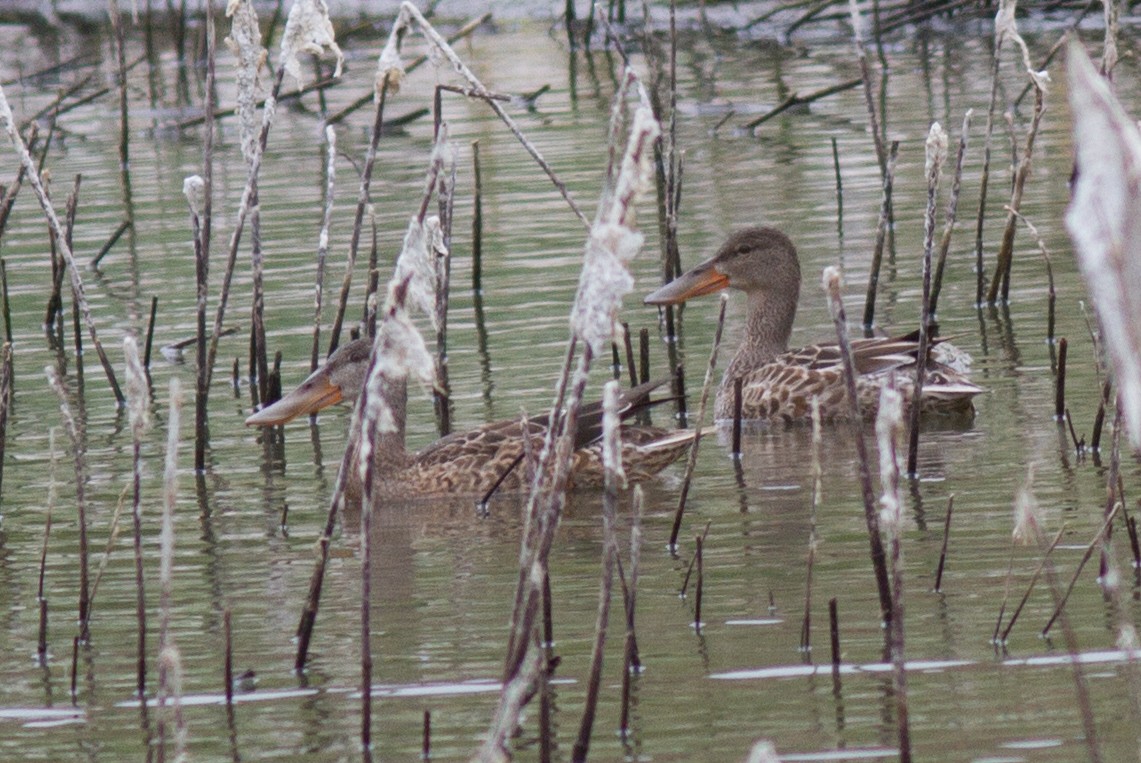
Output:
x=936 y=153
x=1005 y=636
x=1099 y=418
x=138 y=396
x=476 y=222
x=148 y=343
x=362 y=203
x=946 y=540
x=871 y=519
x=683 y=591
x=80 y=459
x=881 y=238
x=614 y=479
x=1098 y=539
x=78 y=293
x=109 y=244
x=631 y=366
x=7 y=304
x=1001 y=278
x=1060 y=382
x=889 y=428
x=951 y=215
x=644 y=354
x=631 y=662
x=323 y=244
x=796 y=99
x=817 y=491
x=691 y=461
x=74 y=670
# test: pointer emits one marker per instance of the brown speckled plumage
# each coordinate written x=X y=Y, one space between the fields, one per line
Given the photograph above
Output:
x=469 y=462
x=778 y=384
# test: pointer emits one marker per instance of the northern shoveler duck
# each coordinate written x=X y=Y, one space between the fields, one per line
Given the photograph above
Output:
x=479 y=460
x=778 y=384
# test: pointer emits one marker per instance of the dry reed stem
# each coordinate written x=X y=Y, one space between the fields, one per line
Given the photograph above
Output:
x=951 y=215
x=946 y=540
x=691 y=460
x=817 y=493
x=631 y=662
x=58 y=234
x=614 y=479
x=604 y=281
x=42 y=643
x=984 y=181
x=881 y=237
x=323 y=243
x=1081 y=689
x=245 y=208
x=936 y=153
x=138 y=401
x=388 y=80
x=889 y=427
x=871 y=519
x=6 y=375
x=1099 y=540
x=1001 y=280
x=169 y=493
x=869 y=96
x=112 y=539
x=80 y=459
x=796 y=99
x=442 y=261
x=398 y=352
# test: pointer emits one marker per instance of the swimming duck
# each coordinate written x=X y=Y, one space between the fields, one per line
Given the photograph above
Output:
x=479 y=460
x=778 y=384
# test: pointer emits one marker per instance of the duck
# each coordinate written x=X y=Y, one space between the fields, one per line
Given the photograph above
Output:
x=478 y=461
x=778 y=384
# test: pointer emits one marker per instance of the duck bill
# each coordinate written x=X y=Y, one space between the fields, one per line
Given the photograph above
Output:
x=703 y=279
x=315 y=393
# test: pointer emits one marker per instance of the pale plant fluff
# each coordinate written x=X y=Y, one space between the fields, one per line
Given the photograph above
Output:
x=613 y=241
x=194 y=188
x=1004 y=27
x=308 y=30
x=138 y=394
x=244 y=42
x=889 y=422
x=389 y=64
x=1104 y=221
x=936 y=149
x=611 y=433
x=1027 y=513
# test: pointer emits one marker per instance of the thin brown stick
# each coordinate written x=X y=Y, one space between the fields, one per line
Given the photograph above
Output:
x=691 y=461
x=881 y=238
x=796 y=99
x=946 y=540
x=950 y=217
x=871 y=517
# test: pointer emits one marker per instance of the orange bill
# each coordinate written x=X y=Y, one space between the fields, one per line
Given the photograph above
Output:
x=703 y=279
x=315 y=393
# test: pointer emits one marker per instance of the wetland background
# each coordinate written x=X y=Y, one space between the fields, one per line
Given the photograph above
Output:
x=444 y=577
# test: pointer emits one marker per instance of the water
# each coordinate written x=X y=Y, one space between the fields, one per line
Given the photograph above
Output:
x=443 y=577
